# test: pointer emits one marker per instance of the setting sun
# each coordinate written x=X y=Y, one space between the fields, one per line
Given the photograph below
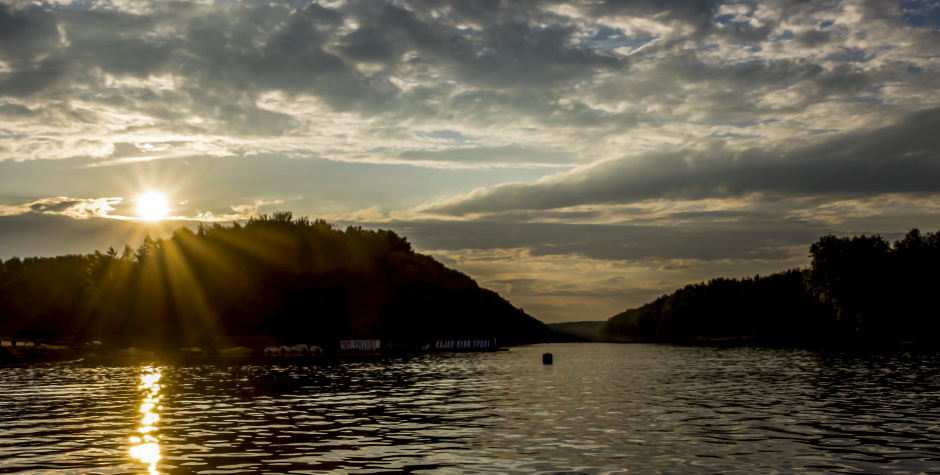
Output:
x=152 y=206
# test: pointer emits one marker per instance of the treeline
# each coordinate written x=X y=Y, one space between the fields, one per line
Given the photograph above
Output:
x=857 y=290
x=271 y=279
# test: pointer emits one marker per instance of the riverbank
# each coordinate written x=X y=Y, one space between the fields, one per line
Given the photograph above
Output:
x=18 y=352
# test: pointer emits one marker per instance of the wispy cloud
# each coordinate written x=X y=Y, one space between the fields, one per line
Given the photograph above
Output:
x=241 y=212
x=77 y=208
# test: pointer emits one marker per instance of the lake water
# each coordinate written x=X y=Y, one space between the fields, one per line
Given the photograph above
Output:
x=600 y=408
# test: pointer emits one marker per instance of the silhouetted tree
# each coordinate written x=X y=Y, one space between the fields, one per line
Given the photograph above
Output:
x=291 y=279
x=857 y=290
x=849 y=275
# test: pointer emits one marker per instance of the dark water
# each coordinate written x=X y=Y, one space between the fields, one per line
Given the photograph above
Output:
x=599 y=409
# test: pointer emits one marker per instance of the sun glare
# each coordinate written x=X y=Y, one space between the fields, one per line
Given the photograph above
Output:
x=152 y=206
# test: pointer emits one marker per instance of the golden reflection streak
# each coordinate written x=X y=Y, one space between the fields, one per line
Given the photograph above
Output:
x=147 y=448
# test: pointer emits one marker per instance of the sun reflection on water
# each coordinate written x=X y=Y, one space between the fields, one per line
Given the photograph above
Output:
x=146 y=448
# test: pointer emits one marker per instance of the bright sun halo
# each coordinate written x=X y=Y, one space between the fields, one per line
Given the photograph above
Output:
x=152 y=206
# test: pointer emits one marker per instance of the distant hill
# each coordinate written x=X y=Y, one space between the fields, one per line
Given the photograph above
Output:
x=775 y=307
x=272 y=279
x=577 y=331
x=858 y=291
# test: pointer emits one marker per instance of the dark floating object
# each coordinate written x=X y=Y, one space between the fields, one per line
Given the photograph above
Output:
x=547 y=358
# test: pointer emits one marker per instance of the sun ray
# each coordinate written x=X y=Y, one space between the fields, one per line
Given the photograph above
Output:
x=198 y=321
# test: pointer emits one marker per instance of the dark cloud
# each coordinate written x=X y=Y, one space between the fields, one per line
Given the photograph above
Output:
x=33 y=77
x=54 y=207
x=27 y=33
x=900 y=158
x=813 y=38
x=117 y=42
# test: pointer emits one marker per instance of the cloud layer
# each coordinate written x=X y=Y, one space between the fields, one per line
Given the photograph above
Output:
x=361 y=80
x=900 y=158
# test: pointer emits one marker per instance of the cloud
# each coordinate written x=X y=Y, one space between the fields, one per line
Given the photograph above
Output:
x=894 y=159
x=77 y=208
x=576 y=79
x=241 y=212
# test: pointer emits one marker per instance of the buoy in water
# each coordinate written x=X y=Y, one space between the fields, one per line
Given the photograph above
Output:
x=547 y=358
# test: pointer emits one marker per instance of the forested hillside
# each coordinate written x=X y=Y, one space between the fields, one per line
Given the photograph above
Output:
x=272 y=278
x=857 y=290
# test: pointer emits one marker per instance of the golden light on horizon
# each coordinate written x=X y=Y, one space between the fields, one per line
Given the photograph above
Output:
x=152 y=206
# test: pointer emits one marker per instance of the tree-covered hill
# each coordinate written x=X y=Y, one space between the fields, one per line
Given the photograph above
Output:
x=270 y=279
x=859 y=290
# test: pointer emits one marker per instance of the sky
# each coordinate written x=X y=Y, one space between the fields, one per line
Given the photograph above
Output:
x=579 y=158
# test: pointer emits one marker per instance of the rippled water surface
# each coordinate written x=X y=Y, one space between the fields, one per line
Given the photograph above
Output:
x=598 y=409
